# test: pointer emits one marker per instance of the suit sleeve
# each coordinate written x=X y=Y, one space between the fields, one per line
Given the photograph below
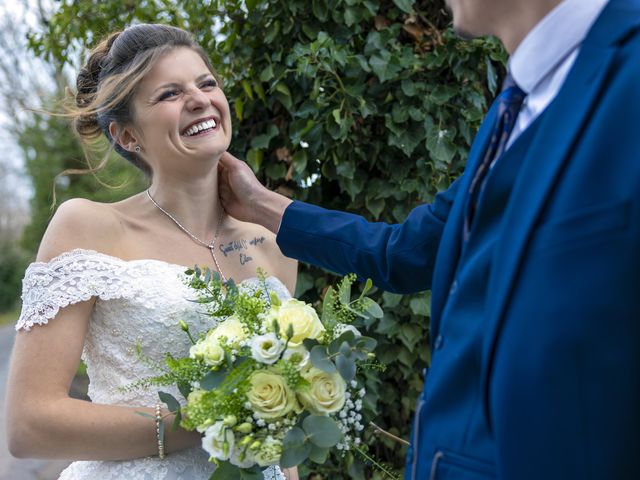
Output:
x=398 y=258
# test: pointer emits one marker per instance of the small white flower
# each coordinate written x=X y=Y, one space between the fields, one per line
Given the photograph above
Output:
x=266 y=348
x=304 y=144
x=247 y=461
x=298 y=354
x=218 y=441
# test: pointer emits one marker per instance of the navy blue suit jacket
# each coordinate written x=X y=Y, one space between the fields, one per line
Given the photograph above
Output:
x=561 y=337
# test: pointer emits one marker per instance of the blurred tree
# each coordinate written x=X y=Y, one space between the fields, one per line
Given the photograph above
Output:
x=360 y=105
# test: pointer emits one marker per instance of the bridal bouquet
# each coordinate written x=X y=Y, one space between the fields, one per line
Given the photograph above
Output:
x=274 y=382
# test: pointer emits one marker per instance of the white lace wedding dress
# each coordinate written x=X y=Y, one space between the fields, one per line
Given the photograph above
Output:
x=139 y=302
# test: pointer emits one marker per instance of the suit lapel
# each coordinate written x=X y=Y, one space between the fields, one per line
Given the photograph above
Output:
x=450 y=243
x=561 y=126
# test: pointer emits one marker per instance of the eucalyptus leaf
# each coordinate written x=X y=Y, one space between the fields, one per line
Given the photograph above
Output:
x=296 y=448
x=346 y=367
x=213 y=379
x=322 y=431
x=345 y=349
x=172 y=404
x=346 y=336
x=371 y=308
x=176 y=421
x=309 y=343
x=320 y=359
x=225 y=471
x=254 y=473
x=318 y=455
x=366 y=343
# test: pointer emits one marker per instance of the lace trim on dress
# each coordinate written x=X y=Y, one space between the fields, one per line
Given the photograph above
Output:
x=78 y=275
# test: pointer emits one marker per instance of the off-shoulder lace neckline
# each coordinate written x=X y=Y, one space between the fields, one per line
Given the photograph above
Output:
x=84 y=251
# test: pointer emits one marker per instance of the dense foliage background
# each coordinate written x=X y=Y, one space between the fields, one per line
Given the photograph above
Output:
x=359 y=105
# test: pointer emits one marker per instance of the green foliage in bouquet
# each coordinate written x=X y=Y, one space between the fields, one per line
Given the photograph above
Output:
x=359 y=105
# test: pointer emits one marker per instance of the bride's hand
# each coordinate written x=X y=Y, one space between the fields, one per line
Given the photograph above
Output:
x=245 y=198
x=291 y=473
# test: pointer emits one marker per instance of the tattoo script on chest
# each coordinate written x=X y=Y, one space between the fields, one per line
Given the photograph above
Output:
x=243 y=247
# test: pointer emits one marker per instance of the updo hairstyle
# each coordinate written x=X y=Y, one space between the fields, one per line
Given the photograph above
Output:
x=107 y=84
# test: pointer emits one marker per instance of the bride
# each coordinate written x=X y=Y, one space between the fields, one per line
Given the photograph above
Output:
x=107 y=276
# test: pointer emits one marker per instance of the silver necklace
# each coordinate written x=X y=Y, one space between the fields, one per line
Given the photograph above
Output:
x=211 y=246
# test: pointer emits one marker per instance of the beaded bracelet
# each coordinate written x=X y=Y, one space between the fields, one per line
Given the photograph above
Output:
x=160 y=431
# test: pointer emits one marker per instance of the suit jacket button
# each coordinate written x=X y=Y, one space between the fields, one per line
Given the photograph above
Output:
x=438 y=343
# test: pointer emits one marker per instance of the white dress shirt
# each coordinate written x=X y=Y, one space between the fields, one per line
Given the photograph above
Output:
x=543 y=59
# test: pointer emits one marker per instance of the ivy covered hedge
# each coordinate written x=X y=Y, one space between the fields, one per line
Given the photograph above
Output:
x=359 y=105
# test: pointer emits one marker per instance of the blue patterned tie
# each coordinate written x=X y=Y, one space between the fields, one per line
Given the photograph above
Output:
x=509 y=102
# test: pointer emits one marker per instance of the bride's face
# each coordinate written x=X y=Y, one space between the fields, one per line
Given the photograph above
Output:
x=180 y=112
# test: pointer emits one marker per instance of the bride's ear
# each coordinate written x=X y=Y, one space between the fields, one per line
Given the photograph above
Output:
x=124 y=136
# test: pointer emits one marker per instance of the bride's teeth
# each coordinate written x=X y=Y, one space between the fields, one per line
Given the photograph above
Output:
x=200 y=127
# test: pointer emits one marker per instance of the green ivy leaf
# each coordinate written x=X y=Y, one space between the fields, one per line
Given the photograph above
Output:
x=404 y=5
x=262 y=141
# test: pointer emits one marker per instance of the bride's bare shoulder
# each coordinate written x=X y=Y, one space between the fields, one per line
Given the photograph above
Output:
x=80 y=223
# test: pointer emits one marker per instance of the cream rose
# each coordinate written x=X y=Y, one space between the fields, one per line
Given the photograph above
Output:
x=325 y=394
x=269 y=394
x=301 y=316
x=231 y=329
x=208 y=350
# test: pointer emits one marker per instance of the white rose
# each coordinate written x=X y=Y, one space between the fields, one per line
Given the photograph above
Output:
x=325 y=394
x=301 y=316
x=298 y=355
x=269 y=394
x=208 y=350
x=231 y=329
x=218 y=441
x=266 y=348
x=269 y=452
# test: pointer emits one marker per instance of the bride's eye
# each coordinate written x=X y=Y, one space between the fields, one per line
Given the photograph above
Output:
x=168 y=94
x=211 y=83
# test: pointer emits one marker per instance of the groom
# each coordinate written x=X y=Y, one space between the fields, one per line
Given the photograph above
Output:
x=533 y=255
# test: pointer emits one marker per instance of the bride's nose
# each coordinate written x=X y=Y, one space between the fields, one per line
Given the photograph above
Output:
x=196 y=99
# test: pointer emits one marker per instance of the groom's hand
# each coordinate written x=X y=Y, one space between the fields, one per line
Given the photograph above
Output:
x=245 y=198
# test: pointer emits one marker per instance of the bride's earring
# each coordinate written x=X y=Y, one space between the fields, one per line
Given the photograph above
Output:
x=138 y=149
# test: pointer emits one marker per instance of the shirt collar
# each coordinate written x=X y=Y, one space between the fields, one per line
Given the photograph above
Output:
x=567 y=25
